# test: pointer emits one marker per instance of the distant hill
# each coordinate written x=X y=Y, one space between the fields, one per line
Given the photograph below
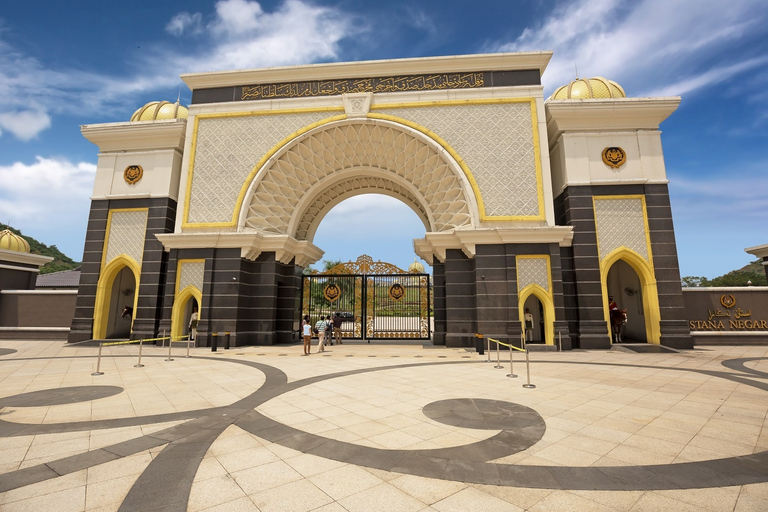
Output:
x=60 y=260
x=752 y=274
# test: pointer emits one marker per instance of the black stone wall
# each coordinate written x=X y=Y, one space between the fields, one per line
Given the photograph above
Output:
x=162 y=212
x=582 y=290
x=479 y=295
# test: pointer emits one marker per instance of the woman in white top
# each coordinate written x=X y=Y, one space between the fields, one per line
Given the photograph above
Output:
x=306 y=332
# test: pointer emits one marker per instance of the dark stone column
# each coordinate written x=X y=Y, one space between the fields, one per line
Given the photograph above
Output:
x=583 y=302
x=460 y=299
x=146 y=323
x=82 y=322
x=674 y=326
x=492 y=275
x=438 y=288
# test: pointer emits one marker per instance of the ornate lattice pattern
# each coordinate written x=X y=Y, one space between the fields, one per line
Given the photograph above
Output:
x=532 y=271
x=126 y=235
x=364 y=183
x=620 y=222
x=226 y=150
x=191 y=273
x=496 y=142
x=357 y=145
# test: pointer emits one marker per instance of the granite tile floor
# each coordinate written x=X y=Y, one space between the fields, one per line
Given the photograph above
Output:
x=391 y=427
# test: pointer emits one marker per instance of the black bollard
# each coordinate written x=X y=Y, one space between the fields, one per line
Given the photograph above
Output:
x=479 y=345
x=214 y=341
x=226 y=340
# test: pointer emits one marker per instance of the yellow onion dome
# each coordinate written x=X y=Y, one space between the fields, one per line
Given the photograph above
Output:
x=10 y=241
x=589 y=88
x=158 y=110
x=416 y=267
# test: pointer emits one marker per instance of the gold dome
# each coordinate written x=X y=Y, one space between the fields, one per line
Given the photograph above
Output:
x=589 y=88
x=10 y=241
x=158 y=110
x=416 y=267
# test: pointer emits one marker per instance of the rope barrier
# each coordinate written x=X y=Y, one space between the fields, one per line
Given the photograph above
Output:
x=171 y=341
x=511 y=374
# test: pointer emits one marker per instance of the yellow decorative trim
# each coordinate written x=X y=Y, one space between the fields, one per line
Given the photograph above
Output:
x=104 y=289
x=546 y=297
x=238 y=203
x=180 y=304
x=109 y=229
x=644 y=271
x=460 y=161
x=645 y=223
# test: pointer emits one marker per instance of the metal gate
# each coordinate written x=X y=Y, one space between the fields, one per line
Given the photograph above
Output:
x=376 y=300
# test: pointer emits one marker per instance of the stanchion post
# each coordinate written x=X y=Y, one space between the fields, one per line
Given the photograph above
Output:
x=559 y=341
x=511 y=373
x=170 y=345
x=188 y=342
x=139 y=365
x=488 y=350
x=162 y=340
x=498 y=362
x=98 y=362
x=528 y=371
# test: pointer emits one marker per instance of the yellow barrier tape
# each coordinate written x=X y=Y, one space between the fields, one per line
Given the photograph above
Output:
x=506 y=345
x=132 y=341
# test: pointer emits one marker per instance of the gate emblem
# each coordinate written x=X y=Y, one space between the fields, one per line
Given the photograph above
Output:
x=332 y=293
x=396 y=291
x=728 y=301
x=614 y=157
x=132 y=174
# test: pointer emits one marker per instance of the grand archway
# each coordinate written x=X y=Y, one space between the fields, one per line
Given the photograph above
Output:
x=304 y=179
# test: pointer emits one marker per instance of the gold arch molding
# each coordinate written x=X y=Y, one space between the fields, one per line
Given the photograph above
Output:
x=303 y=180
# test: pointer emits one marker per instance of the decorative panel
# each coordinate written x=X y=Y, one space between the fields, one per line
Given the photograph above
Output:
x=362 y=145
x=127 y=230
x=620 y=222
x=226 y=150
x=496 y=142
x=191 y=274
x=532 y=271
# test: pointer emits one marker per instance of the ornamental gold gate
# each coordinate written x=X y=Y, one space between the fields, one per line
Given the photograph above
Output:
x=376 y=300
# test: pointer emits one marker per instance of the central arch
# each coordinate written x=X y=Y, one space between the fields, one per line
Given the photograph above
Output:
x=305 y=178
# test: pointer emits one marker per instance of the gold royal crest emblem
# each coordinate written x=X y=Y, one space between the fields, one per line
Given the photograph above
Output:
x=133 y=174
x=614 y=157
x=396 y=291
x=728 y=301
x=332 y=293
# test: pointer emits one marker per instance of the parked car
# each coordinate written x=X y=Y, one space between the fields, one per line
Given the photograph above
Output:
x=347 y=316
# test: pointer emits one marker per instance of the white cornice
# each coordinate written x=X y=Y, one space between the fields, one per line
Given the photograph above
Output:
x=435 y=245
x=24 y=258
x=137 y=136
x=371 y=68
x=251 y=245
x=605 y=115
x=761 y=251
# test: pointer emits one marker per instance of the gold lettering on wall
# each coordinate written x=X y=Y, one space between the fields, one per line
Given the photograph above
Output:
x=381 y=84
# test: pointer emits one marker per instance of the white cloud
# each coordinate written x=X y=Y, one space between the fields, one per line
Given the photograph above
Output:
x=26 y=124
x=185 y=22
x=49 y=196
x=241 y=35
x=679 y=45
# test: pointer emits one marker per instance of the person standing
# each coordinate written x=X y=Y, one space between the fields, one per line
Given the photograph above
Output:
x=328 y=330
x=337 y=321
x=306 y=332
x=193 y=324
x=528 y=325
x=320 y=326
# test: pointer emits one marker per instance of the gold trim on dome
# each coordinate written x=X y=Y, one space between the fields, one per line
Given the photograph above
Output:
x=133 y=174
x=614 y=157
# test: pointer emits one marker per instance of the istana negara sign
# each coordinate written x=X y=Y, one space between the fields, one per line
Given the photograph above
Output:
x=736 y=311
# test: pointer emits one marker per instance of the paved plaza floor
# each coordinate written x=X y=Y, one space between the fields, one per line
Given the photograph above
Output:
x=397 y=427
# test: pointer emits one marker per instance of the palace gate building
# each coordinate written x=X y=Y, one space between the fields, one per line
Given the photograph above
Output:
x=551 y=205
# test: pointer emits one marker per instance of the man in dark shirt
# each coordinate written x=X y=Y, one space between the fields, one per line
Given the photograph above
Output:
x=337 y=321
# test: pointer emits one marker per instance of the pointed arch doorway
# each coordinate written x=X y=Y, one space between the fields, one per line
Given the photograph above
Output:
x=624 y=285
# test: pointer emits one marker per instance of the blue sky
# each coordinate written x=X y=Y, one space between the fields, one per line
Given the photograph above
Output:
x=97 y=61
